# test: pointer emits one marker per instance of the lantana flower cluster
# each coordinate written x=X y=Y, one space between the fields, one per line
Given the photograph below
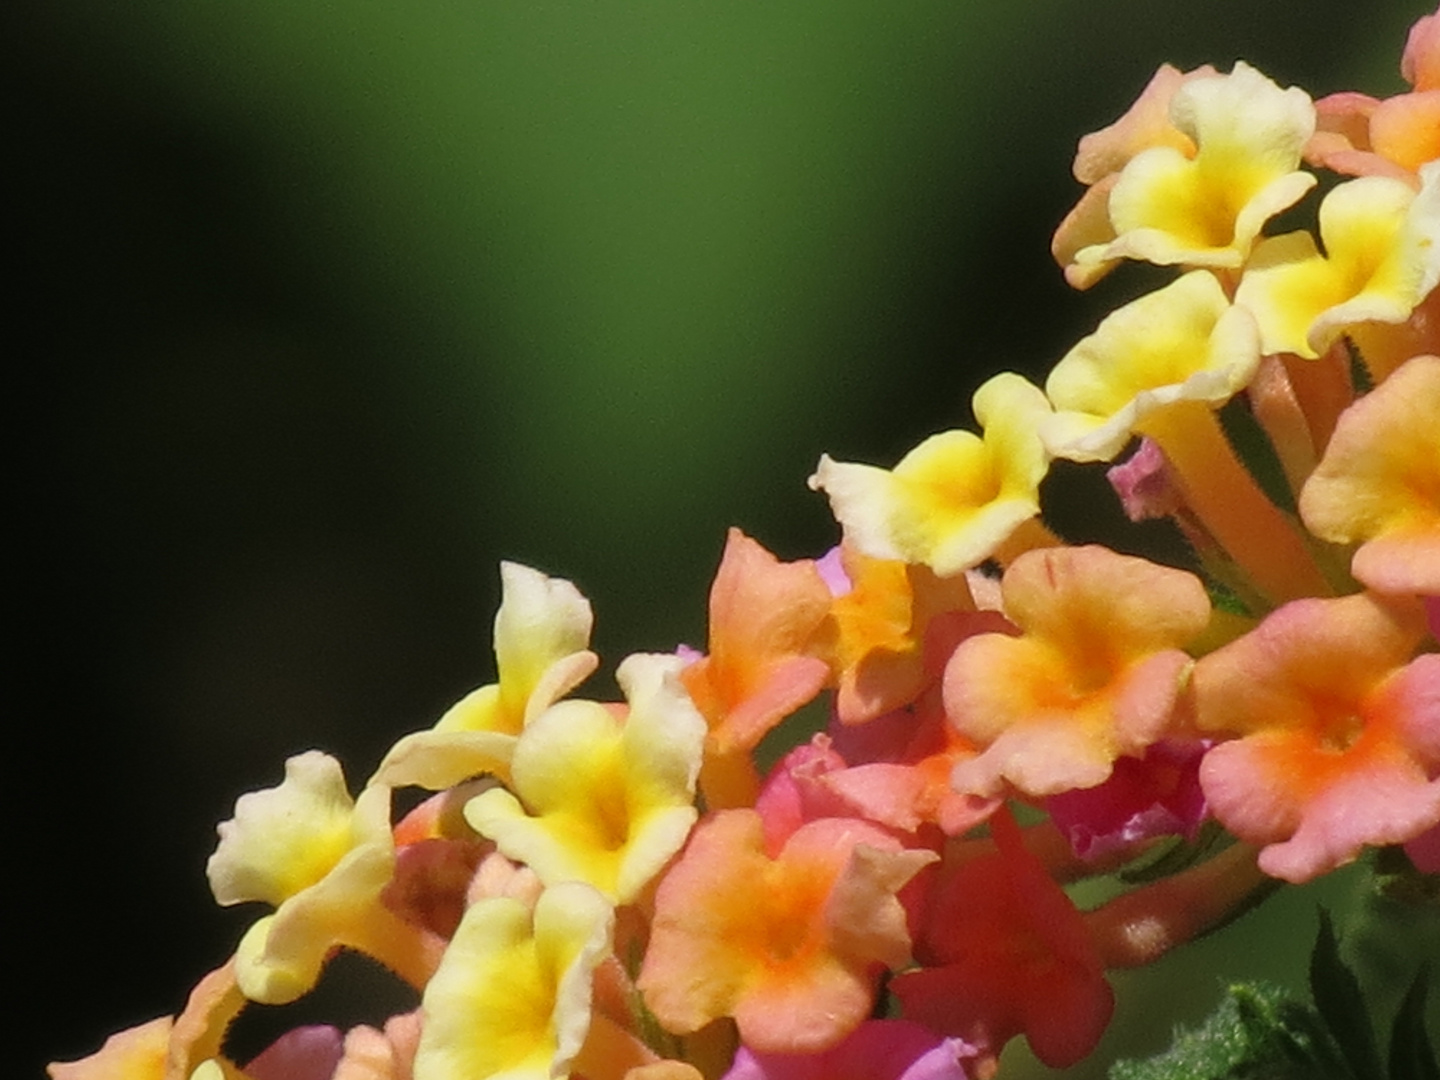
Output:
x=623 y=891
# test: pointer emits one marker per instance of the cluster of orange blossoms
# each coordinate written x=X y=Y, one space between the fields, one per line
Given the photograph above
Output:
x=618 y=891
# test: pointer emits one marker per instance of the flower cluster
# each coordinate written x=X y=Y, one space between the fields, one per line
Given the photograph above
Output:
x=626 y=891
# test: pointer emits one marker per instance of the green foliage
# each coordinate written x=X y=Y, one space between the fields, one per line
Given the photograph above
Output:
x=1260 y=1032
x=1341 y=1004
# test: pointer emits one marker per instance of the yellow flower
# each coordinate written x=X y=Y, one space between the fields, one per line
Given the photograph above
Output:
x=541 y=635
x=1207 y=208
x=1184 y=342
x=1382 y=257
x=512 y=997
x=600 y=798
x=957 y=496
x=321 y=860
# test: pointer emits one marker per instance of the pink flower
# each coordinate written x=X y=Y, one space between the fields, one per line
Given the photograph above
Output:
x=1005 y=953
x=1155 y=795
x=1339 y=732
x=876 y=1050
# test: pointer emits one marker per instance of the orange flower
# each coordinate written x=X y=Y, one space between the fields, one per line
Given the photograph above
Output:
x=791 y=947
x=885 y=624
x=1095 y=673
x=767 y=621
x=1359 y=135
x=1379 y=482
x=1339 y=731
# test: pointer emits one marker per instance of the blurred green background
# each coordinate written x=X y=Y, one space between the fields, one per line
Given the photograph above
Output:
x=324 y=309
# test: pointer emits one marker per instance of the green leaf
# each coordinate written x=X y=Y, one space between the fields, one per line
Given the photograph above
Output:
x=1411 y=1055
x=1341 y=1005
x=1259 y=1032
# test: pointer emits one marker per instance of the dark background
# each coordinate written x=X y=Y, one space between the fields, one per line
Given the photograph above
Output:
x=322 y=310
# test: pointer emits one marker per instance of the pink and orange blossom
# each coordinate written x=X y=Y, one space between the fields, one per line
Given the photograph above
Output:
x=1096 y=671
x=1338 y=731
x=791 y=947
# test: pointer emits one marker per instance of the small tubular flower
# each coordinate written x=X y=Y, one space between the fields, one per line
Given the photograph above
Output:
x=166 y=1048
x=957 y=496
x=1159 y=367
x=794 y=955
x=1095 y=673
x=1184 y=342
x=600 y=798
x=1170 y=208
x=1339 y=732
x=1155 y=795
x=541 y=635
x=904 y=763
x=512 y=997
x=1378 y=484
x=1382 y=257
x=322 y=860
x=1099 y=160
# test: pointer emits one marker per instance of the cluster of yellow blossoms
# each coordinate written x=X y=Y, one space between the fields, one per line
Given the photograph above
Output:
x=619 y=891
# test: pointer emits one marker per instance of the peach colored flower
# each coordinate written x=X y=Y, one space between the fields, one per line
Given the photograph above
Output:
x=791 y=947
x=1378 y=484
x=1359 y=135
x=1338 y=732
x=1096 y=671
x=767 y=621
x=137 y=1053
x=954 y=499
x=167 y=1048
x=891 y=618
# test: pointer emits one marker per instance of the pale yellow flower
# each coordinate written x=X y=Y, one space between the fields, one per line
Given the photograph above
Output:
x=957 y=496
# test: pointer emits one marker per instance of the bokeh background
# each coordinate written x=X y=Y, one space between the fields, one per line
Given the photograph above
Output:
x=324 y=309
